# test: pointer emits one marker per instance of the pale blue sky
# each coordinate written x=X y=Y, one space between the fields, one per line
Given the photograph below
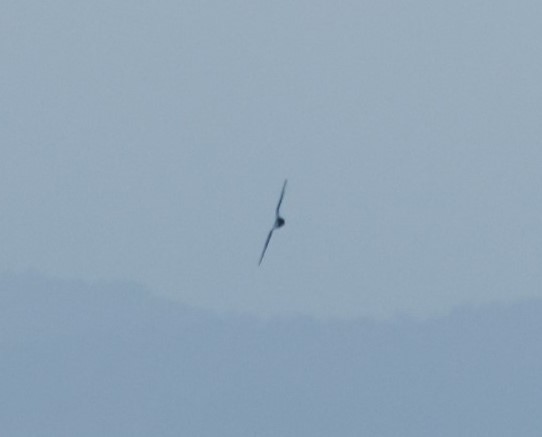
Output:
x=148 y=141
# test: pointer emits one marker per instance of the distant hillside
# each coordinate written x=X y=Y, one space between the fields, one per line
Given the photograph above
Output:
x=112 y=360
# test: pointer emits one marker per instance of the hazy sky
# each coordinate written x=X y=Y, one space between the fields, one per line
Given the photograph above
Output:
x=148 y=141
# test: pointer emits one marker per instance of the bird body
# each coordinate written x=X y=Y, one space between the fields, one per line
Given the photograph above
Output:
x=279 y=222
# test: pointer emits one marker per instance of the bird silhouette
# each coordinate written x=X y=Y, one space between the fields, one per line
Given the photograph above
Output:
x=279 y=221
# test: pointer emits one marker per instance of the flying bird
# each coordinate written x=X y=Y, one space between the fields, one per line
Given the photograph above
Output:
x=279 y=221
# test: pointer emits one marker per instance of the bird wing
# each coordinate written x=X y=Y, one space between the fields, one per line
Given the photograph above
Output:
x=266 y=244
x=281 y=197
